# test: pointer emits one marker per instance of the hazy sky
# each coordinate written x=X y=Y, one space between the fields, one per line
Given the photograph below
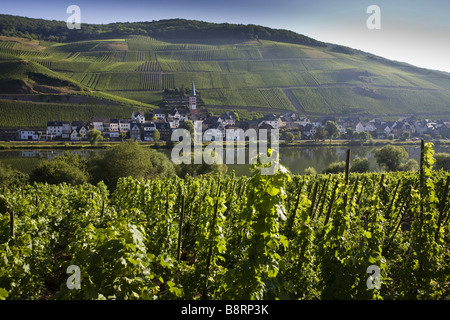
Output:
x=414 y=31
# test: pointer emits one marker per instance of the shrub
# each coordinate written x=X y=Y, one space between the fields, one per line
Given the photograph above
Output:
x=335 y=167
x=360 y=165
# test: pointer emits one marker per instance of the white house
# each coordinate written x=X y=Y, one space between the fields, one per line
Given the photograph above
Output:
x=174 y=123
x=97 y=123
x=309 y=130
x=138 y=116
x=114 y=128
x=74 y=135
x=149 y=128
x=271 y=120
x=54 y=128
x=159 y=114
x=135 y=131
x=78 y=133
x=302 y=121
x=365 y=126
x=213 y=134
x=234 y=134
x=124 y=125
x=29 y=134
x=65 y=130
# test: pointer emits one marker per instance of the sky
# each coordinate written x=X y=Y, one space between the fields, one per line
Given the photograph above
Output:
x=411 y=31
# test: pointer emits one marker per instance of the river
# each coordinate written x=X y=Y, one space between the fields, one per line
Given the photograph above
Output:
x=296 y=159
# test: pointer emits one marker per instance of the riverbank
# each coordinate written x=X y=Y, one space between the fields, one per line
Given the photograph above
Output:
x=71 y=145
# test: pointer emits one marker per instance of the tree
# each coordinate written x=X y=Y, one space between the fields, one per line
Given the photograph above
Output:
x=335 y=167
x=156 y=135
x=332 y=129
x=410 y=165
x=129 y=159
x=364 y=136
x=310 y=171
x=188 y=125
x=405 y=135
x=442 y=161
x=289 y=137
x=349 y=133
x=68 y=168
x=194 y=170
x=94 y=136
x=10 y=176
x=320 y=134
x=360 y=165
x=390 y=157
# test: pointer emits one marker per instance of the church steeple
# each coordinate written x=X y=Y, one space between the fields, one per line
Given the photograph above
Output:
x=193 y=99
x=193 y=94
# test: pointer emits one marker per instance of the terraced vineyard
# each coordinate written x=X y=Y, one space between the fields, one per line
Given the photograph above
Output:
x=241 y=74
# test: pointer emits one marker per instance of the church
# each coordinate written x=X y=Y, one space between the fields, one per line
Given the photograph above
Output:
x=193 y=99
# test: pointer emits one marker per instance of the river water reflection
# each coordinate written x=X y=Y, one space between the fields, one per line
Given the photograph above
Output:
x=296 y=159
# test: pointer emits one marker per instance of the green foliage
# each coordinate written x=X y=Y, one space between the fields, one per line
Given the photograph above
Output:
x=255 y=277
x=9 y=176
x=289 y=137
x=156 y=136
x=410 y=165
x=426 y=254
x=130 y=159
x=175 y=28
x=331 y=129
x=67 y=168
x=94 y=136
x=29 y=114
x=311 y=171
x=335 y=167
x=360 y=165
x=390 y=157
x=442 y=161
x=221 y=237
x=252 y=69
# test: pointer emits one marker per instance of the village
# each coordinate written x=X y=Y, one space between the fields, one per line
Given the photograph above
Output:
x=141 y=126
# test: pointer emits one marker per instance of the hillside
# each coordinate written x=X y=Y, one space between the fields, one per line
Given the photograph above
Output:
x=250 y=69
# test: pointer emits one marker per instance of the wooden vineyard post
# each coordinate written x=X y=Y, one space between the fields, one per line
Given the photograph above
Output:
x=347 y=167
x=208 y=261
x=180 y=227
x=441 y=208
x=421 y=183
x=347 y=173
x=422 y=149
x=313 y=202
x=330 y=205
x=11 y=224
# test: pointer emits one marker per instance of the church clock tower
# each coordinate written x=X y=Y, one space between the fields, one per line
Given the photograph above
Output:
x=193 y=99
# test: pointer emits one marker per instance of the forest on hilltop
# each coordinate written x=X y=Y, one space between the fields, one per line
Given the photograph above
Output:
x=40 y=29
